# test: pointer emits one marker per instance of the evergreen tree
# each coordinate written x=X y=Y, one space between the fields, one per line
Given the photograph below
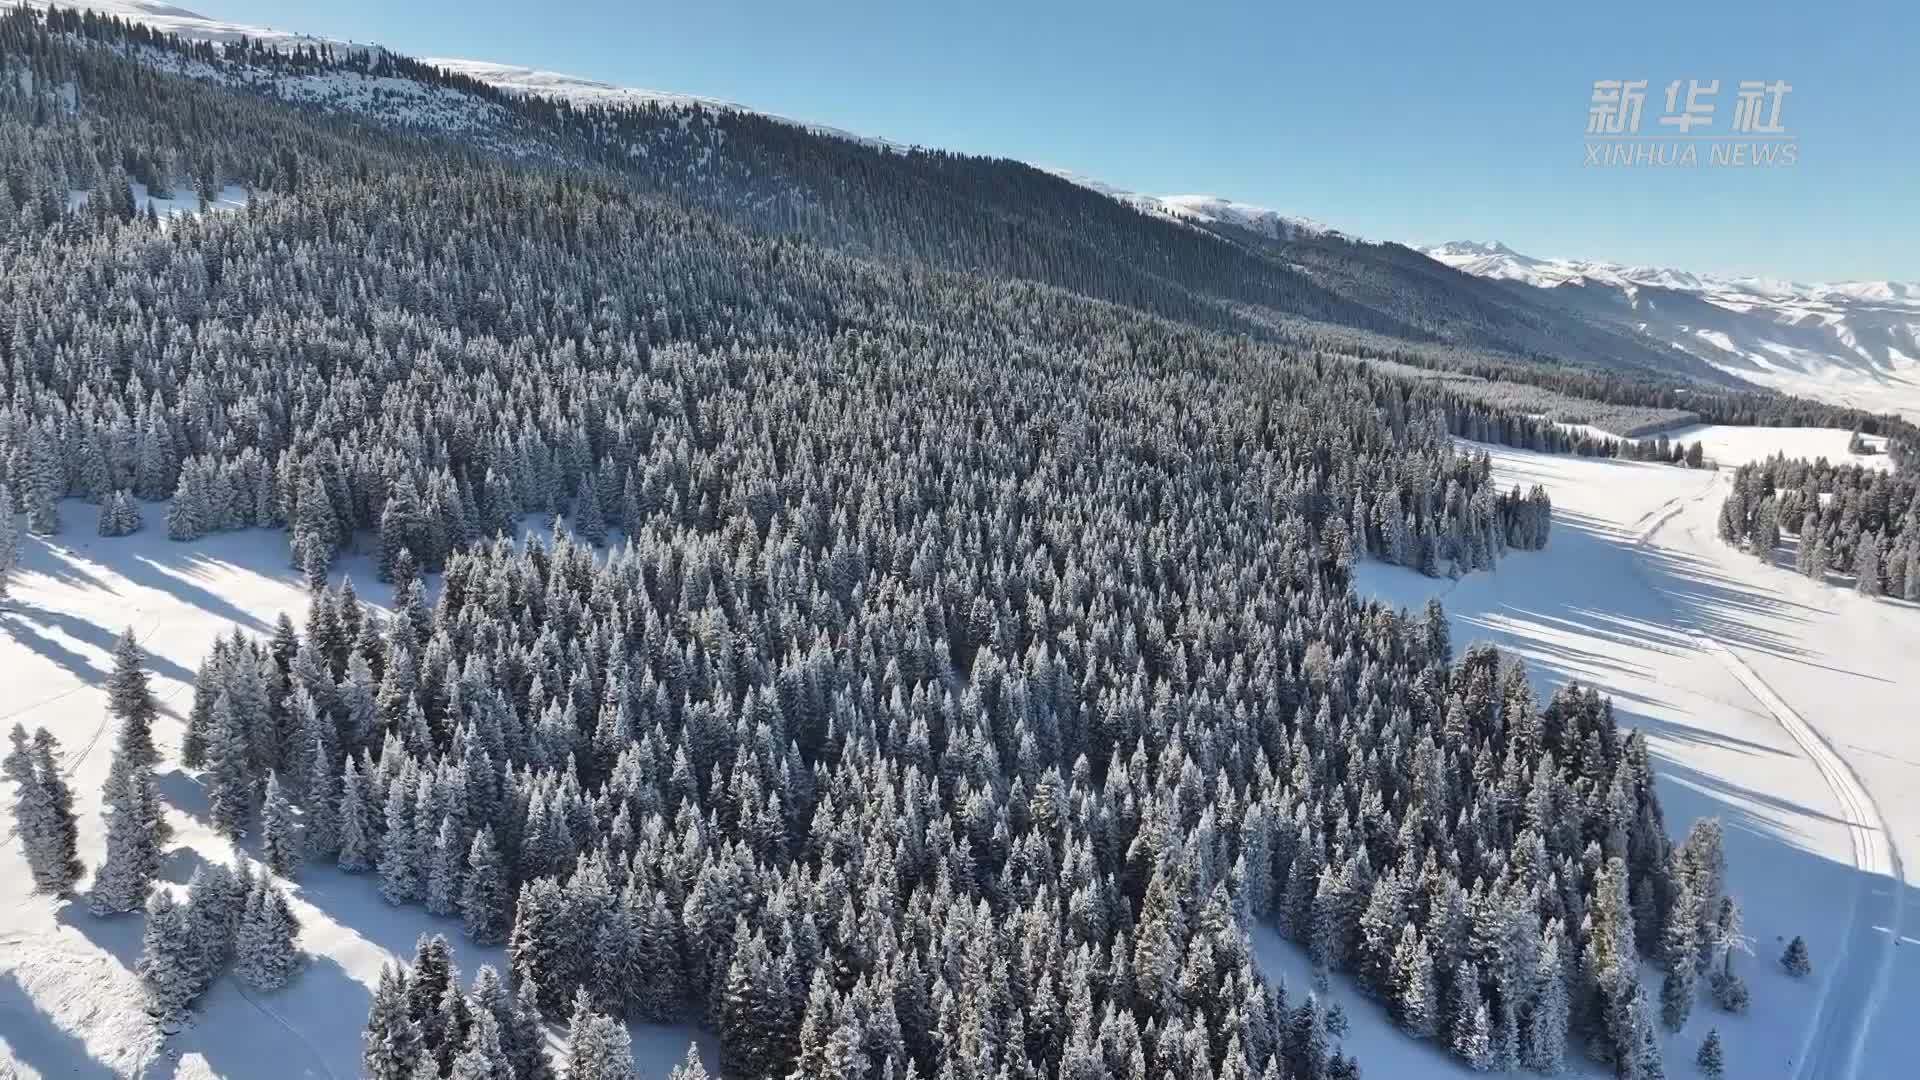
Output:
x=135 y=832
x=1795 y=959
x=264 y=950
x=279 y=846
x=130 y=701
x=598 y=1046
x=48 y=832
x=9 y=538
x=229 y=777
x=484 y=898
x=392 y=1040
x=168 y=960
x=356 y=823
x=1711 y=1059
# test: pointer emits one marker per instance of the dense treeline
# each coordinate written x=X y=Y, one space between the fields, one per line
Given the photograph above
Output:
x=1845 y=519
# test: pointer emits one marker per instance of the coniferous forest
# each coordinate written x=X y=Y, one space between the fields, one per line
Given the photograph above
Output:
x=926 y=672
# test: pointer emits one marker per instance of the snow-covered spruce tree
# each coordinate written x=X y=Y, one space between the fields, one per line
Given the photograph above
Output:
x=229 y=776
x=49 y=835
x=1795 y=960
x=482 y=1058
x=1711 y=1058
x=119 y=515
x=10 y=525
x=357 y=836
x=216 y=899
x=280 y=845
x=392 y=1040
x=169 y=960
x=265 y=955
x=484 y=900
x=130 y=700
x=598 y=1045
x=136 y=828
x=401 y=856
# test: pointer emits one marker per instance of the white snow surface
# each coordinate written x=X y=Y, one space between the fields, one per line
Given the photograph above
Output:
x=1204 y=209
x=1854 y=343
x=184 y=200
x=1783 y=706
x=171 y=19
x=69 y=1001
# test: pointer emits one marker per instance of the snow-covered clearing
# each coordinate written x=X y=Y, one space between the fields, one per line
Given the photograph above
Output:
x=184 y=200
x=69 y=1002
x=1730 y=446
x=1782 y=706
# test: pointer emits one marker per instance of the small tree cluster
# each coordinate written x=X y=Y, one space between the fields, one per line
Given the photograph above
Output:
x=43 y=811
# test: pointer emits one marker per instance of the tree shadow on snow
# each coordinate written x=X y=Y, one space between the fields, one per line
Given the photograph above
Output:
x=34 y=1040
x=119 y=936
x=184 y=793
x=98 y=635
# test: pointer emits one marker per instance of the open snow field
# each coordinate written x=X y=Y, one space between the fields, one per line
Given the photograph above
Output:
x=1730 y=446
x=70 y=1004
x=1783 y=706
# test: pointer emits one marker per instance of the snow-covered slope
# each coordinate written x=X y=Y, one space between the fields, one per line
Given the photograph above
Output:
x=532 y=82
x=1204 y=209
x=1775 y=703
x=170 y=19
x=1853 y=342
x=70 y=1003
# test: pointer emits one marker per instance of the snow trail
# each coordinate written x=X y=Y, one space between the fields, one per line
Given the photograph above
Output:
x=1855 y=990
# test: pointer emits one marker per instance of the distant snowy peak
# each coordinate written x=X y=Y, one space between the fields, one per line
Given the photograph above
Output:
x=1496 y=260
x=1204 y=209
x=1854 y=343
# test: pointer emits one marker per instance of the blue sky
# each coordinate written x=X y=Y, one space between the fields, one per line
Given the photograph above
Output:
x=1415 y=122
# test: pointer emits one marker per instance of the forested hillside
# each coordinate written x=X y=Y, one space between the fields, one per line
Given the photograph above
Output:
x=940 y=669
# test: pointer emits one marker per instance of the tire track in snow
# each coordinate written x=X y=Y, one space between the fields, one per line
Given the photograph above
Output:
x=1853 y=993
x=1856 y=988
x=318 y=1058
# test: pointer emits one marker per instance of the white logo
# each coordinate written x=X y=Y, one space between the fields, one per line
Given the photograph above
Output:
x=1684 y=134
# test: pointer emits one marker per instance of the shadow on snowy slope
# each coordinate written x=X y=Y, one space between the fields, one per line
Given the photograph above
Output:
x=34 y=1040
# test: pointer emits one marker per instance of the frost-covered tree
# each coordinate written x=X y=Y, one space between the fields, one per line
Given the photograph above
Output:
x=1711 y=1059
x=598 y=1046
x=392 y=1040
x=130 y=701
x=265 y=955
x=229 y=777
x=279 y=839
x=169 y=959
x=9 y=538
x=1795 y=959
x=136 y=829
x=484 y=900
x=48 y=831
x=357 y=836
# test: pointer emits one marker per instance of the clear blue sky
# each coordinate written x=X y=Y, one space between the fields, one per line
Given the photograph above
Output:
x=1417 y=122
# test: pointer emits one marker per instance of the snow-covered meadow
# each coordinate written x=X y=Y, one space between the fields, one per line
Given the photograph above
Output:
x=70 y=1004
x=1780 y=705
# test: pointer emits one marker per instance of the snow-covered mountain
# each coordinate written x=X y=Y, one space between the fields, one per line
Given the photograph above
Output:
x=1205 y=209
x=1856 y=343
x=169 y=19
